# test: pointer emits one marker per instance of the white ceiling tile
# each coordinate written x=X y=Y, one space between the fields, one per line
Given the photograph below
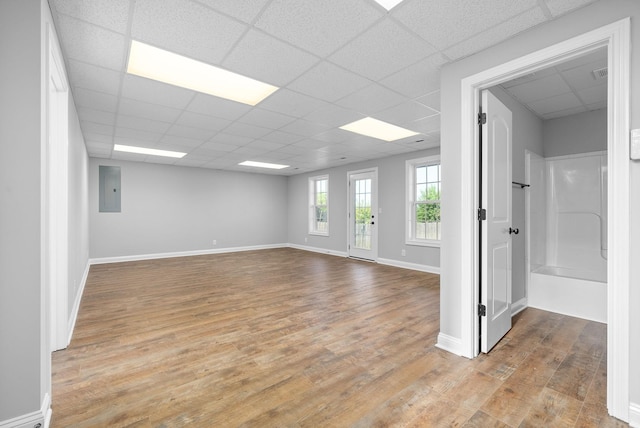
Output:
x=134 y=157
x=597 y=106
x=154 y=92
x=292 y=150
x=328 y=82
x=96 y=116
x=246 y=130
x=496 y=34
x=112 y=14
x=445 y=23
x=266 y=118
x=334 y=116
x=292 y=103
x=245 y=10
x=95 y=100
x=418 y=79
x=249 y=151
x=231 y=140
x=563 y=113
x=431 y=100
x=594 y=94
x=91 y=44
x=186 y=28
x=305 y=128
x=264 y=145
x=382 y=50
x=220 y=147
x=133 y=136
x=268 y=59
x=405 y=113
x=193 y=163
x=197 y=120
x=96 y=128
x=582 y=77
x=320 y=27
x=558 y=7
x=218 y=107
x=310 y=144
x=142 y=124
x=97 y=138
x=95 y=148
x=598 y=56
x=282 y=137
x=529 y=77
x=554 y=104
x=148 y=111
x=190 y=132
x=371 y=99
x=539 y=89
x=95 y=78
x=428 y=124
x=160 y=160
x=182 y=142
x=334 y=136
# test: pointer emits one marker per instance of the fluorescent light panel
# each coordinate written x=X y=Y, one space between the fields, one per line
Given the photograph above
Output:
x=263 y=165
x=168 y=67
x=378 y=129
x=146 y=151
x=388 y=4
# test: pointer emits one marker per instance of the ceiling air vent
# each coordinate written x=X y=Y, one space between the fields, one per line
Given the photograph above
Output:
x=600 y=73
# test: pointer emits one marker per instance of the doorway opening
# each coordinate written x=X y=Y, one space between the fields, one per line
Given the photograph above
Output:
x=363 y=214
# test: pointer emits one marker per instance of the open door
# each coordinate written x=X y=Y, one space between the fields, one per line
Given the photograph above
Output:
x=496 y=230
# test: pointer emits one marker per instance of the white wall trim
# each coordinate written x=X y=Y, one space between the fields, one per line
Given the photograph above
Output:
x=29 y=420
x=519 y=306
x=616 y=37
x=139 y=257
x=318 y=250
x=634 y=415
x=76 y=304
x=450 y=344
x=412 y=266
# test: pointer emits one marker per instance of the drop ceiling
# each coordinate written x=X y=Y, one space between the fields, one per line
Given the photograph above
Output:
x=335 y=62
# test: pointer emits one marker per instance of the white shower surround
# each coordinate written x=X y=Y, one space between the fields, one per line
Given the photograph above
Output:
x=568 y=234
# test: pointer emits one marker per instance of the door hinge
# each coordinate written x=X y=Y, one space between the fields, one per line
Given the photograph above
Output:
x=482 y=310
x=482 y=118
x=482 y=214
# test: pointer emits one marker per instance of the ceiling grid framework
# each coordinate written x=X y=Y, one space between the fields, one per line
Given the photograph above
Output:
x=334 y=62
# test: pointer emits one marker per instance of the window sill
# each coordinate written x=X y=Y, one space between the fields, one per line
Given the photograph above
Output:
x=435 y=244
x=319 y=233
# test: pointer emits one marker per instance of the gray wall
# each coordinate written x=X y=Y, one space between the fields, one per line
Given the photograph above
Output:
x=391 y=221
x=20 y=209
x=527 y=135
x=579 y=133
x=169 y=209
x=562 y=28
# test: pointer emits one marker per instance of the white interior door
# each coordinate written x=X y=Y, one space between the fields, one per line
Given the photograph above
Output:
x=496 y=229
x=363 y=215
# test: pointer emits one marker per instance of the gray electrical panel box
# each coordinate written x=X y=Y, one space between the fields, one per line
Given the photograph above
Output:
x=109 y=192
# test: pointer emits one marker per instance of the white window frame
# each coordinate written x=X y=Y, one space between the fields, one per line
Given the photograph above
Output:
x=312 y=205
x=410 y=171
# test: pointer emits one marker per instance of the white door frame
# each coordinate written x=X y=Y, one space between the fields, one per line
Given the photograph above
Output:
x=56 y=197
x=374 y=230
x=616 y=37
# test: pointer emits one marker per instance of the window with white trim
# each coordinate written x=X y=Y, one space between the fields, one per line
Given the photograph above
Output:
x=319 y=205
x=423 y=201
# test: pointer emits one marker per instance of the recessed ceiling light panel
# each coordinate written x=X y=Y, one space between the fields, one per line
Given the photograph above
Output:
x=168 y=67
x=147 y=151
x=378 y=129
x=388 y=4
x=263 y=165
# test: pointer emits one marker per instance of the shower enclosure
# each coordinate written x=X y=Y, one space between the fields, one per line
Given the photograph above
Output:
x=567 y=234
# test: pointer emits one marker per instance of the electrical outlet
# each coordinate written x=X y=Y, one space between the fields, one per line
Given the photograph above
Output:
x=403 y=252
x=215 y=242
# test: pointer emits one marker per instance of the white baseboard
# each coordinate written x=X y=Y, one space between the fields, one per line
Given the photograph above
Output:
x=318 y=250
x=519 y=306
x=29 y=420
x=412 y=266
x=634 y=415
x=76 y=303
x=450 y=344
x=139 y=257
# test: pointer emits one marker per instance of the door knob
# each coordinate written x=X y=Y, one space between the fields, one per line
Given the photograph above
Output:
x=514 y=231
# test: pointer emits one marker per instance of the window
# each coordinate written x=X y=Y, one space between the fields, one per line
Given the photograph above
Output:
x=319 y=205
x=423 y=201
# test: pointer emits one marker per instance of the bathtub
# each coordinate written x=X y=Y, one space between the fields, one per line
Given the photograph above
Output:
x=576 y=292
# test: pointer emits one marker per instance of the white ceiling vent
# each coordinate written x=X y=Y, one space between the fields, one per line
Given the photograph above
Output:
x=600 y=73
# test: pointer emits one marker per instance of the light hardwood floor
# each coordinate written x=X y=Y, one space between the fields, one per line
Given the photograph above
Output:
x=290 y=338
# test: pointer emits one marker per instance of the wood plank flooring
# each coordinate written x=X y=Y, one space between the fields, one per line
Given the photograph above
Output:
x=290 y=338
